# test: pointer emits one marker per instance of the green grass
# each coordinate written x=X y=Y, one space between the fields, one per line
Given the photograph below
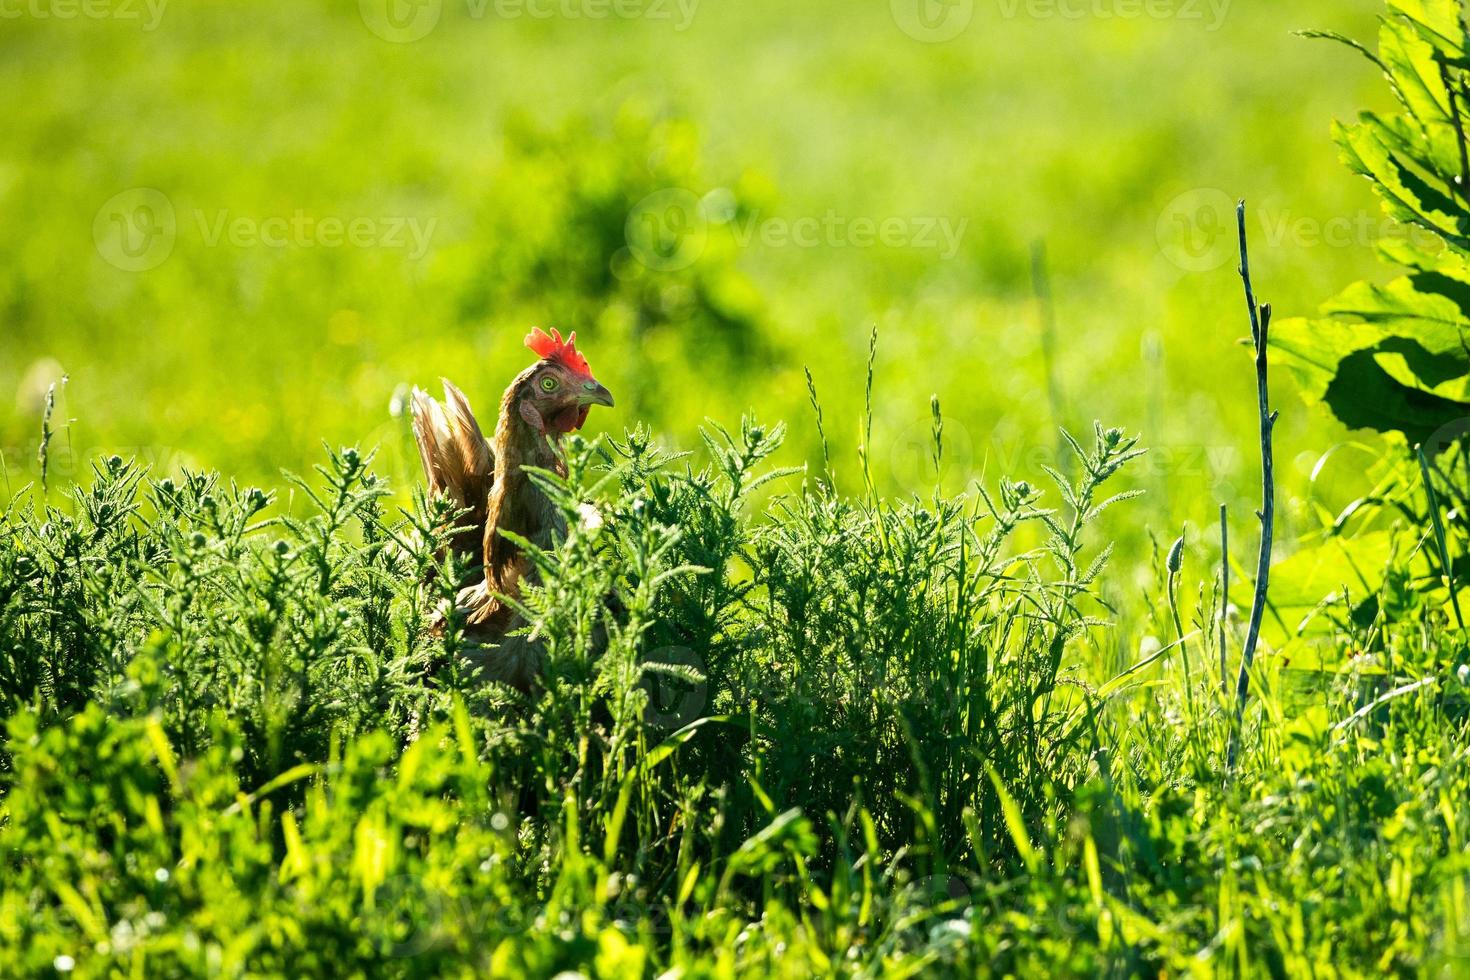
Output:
x=907 y=684
x=839 y=735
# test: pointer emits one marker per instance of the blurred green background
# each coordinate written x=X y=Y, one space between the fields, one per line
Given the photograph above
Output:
x=243 y=228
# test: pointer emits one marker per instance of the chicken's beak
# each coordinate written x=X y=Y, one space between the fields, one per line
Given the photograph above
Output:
x=593 y=393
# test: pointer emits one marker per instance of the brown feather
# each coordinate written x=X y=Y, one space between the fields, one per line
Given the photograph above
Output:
x=458 y=462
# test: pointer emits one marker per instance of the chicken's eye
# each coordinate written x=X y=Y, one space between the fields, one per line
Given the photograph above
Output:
x=548 y=384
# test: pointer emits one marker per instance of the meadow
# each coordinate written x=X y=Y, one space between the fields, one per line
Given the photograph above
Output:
x=934 y=381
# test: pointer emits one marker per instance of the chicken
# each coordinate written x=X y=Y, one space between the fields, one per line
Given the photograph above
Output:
x=486 y=478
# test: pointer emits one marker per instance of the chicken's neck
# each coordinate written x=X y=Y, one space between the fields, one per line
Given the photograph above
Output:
x=516 y=504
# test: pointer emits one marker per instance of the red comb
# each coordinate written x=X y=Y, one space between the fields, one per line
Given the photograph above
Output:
x=551 y=347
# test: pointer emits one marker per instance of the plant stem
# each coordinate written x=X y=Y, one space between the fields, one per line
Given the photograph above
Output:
x=43 y=455
x=867 y=442
x=811 y=390
x=1175 y=563
x=1224 y=593
x=1439 y=539
x=1260 y=318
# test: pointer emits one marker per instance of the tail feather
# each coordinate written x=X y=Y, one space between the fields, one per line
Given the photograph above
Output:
x=458 y=462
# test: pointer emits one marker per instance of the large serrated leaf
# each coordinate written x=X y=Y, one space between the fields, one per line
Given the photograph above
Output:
x=1406 y=196
x=1414 y=68
x=1434 y=146
x=1436 y=21
x=1431 y=306
x=1395 y=358
x=1351 y=367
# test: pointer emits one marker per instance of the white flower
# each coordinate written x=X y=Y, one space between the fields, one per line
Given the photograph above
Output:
x=591 y=518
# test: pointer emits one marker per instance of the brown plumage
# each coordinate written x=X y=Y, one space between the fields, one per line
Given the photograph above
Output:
x=458 y=461
x=486 y=477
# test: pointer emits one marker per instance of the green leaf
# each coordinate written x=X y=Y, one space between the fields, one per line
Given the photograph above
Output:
x=1412 y=66
x=1436 y=21
x=1406 y=196
x=1364 y=395
x=1393 y=358
x=1301 y=583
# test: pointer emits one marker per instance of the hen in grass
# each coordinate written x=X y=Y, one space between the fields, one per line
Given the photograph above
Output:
x=487 y=479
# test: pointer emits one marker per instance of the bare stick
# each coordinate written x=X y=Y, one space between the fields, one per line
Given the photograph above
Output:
x=1260 y=326
x=1224 y=593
